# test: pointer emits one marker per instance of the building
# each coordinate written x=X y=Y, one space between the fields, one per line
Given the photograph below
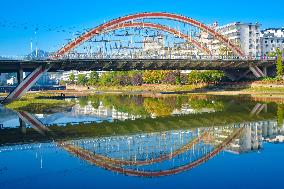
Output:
x=244 y=35
x=271 y=39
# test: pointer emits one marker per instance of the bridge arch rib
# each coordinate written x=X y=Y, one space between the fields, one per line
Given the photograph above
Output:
x=162 y=28
x=158 y=15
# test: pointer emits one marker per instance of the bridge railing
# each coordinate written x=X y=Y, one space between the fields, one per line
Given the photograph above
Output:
x=166 y=57
x=155 y=56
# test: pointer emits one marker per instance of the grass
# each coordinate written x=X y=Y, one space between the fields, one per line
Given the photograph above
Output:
x=39 y=105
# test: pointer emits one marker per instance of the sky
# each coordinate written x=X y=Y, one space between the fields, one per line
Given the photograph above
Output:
x=43 y=21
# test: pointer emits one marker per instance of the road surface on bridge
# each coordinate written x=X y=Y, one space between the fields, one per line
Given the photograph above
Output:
x=132 y=64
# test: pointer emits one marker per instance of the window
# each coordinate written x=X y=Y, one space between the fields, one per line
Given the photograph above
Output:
x=271 y=41
x=265 y=42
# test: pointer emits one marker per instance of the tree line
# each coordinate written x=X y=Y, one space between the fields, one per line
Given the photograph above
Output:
x=138 y=78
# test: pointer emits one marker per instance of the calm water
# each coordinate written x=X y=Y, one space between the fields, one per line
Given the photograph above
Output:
x=112 y=141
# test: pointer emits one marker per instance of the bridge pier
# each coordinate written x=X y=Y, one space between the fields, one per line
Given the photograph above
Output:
x=20 y=75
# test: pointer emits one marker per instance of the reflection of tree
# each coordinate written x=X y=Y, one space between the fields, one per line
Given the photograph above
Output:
x=139 y=105
x=198 y=104
x=126 y=103
x=158 y=106
x=280 y=111
x=83 y=101
x=95 y=101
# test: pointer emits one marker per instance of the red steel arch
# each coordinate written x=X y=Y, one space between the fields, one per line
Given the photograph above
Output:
x=162 y=28
x=130 y=18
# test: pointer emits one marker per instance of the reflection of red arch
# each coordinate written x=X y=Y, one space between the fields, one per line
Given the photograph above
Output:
x=150 y=161
x=130 y=18
x=88 y=156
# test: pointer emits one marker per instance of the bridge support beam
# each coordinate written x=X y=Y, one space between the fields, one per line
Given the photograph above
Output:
x=256 y=71
x=264 y=70
x=25 y=84
x=253 y=71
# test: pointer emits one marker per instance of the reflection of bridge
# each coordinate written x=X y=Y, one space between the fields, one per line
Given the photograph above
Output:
x=114 y=165
x=128 y=127
x=156 y=153
x=147 y=44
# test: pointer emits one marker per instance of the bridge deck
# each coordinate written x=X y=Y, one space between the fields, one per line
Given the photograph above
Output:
x=132 y=64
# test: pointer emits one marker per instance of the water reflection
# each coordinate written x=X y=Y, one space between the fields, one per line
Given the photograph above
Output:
x=138 y=136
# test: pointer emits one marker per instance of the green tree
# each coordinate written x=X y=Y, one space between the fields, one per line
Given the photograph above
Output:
x=72 y=78
x=94 y=78
x=108 y=79
x=279 y=64
x=82 y=80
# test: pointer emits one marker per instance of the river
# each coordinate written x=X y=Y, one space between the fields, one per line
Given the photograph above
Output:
x=133 y=141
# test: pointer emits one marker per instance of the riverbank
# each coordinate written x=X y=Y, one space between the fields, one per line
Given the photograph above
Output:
x=268 y=92
x=32 y=104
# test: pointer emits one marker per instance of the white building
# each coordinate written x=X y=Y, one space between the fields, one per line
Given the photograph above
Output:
x=271 y=39
x=244 y=35
x=12 y=81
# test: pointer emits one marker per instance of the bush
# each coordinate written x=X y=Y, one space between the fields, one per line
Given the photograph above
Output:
x=94 y=78
x=195 y=77
x=82 y=80
x=172 y=77
x=123 y=79
x=154 y=76
x=108 y=79
x=183 y=79
x=137 y=79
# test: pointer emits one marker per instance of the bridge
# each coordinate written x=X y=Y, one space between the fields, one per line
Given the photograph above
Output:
x=143 y=41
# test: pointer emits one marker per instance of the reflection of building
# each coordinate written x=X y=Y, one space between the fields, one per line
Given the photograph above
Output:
x=103 y=112
x=186 y=109
x=254 y=135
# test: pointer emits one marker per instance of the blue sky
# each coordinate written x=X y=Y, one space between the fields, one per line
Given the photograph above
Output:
x=20 y=18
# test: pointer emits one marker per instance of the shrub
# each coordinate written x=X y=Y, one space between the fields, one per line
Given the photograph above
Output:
x=108 y=79
x=183 y=79
x=137 y=79
x=82 y=80
x=94 y=78
x=123 y=79
x=154 y=76
x=172 y=77
x=195 y=77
